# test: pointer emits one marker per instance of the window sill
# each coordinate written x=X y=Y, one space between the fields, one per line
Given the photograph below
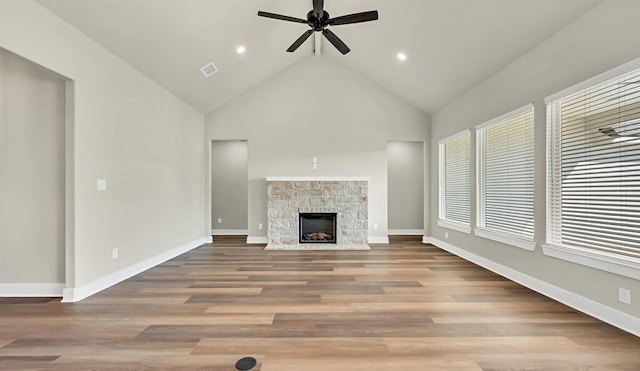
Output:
x=456 y=226
x=506 y=239
x=628 y=267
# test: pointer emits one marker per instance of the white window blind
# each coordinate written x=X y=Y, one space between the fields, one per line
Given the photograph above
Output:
x=505 y=163
x=593 y=165
x=455 y=178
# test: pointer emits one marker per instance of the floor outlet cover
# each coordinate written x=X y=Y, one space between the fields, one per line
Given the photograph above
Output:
x=246 y=363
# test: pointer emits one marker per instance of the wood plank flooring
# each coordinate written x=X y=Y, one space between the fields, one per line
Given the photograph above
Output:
x=402 y=306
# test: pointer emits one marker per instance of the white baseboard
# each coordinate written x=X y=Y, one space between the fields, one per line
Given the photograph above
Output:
x=229 y=232
x=13 y=290
x=79 y=293
x=406 y=232
x=256 y=240
x=604 y=313
x=378 y=239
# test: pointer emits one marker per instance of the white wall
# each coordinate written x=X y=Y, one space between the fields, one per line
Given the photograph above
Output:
x=32 y=176
x=317 y=108
x=604 y=38
x=128 y=130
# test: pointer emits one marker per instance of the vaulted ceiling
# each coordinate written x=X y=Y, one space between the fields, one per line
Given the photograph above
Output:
x=451 y=45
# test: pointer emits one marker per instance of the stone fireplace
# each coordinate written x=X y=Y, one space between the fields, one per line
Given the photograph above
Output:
x=317 y=213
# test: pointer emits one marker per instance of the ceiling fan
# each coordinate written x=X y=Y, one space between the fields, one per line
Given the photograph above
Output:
x=318 y=19
x=623 y=131
x=629 y=82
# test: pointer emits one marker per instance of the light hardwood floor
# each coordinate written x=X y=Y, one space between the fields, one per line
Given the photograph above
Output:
x=402 y=306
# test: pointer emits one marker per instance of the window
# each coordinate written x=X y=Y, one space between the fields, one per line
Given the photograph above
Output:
x=506 y=178
x=593 y=165
x=454 y=182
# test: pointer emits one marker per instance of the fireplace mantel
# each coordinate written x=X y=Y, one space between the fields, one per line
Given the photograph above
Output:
x=317 y=179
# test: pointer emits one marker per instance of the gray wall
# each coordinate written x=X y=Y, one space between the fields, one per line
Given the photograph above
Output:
x=405 y=171
x=127 y=129
x=317 y=108
x=32 y=177
x=229 y=183
x=604 y=38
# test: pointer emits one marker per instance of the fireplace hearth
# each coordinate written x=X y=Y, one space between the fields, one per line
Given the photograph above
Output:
x=317 y=227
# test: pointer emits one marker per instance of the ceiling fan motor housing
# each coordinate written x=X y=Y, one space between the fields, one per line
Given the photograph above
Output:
x=318 y=24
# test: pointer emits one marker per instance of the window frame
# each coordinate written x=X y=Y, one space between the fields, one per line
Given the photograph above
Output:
x=605 y=261
x=442 y=221
x=481 y=230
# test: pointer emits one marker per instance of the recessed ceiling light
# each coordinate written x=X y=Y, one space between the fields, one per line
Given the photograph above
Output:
x=241 y=49
x=402 y=57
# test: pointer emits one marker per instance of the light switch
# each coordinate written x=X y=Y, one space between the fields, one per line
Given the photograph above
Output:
x=101 y=185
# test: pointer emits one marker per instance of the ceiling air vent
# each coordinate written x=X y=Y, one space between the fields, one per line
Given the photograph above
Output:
x=208 y=70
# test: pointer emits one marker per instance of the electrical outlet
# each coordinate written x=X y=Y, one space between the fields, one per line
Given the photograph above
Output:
x=114 y=253
x=375 y=226
x=624 y=295
x=315 y=166
x=446 y=235
x=259 y=225
x=219 y=220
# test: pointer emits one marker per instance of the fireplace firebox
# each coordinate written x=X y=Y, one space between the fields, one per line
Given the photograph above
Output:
x=317 y=227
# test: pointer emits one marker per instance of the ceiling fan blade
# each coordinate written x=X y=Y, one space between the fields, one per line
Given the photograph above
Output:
x=354 y=18
x=318 y=7
x=296 y=44
x=335 y=40
x=611 y=132
x=281 y=17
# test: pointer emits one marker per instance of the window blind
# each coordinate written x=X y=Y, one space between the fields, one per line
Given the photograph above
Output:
x=506 y=175
x=455 y=179
x=594 y=168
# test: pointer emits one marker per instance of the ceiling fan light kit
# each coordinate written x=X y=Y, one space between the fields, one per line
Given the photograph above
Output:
x=319 y=19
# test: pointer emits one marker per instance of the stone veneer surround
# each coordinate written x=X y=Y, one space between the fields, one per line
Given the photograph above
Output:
x=348 y=197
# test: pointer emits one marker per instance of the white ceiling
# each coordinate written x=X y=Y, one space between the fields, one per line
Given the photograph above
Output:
x=451 y=44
